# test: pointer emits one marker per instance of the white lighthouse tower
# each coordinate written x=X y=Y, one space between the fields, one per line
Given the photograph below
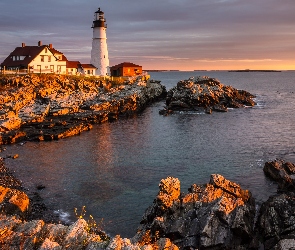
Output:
x=99 y=51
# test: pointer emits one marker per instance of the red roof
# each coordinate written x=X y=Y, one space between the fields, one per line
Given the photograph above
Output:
x=73 y=64
x=126 y=64
x=88 y=66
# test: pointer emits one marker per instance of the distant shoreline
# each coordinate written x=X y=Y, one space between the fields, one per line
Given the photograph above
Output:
x=204 y=70
x=160 y=70
x=254 y=70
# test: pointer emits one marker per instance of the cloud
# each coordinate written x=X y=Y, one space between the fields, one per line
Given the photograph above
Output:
x=167 y=30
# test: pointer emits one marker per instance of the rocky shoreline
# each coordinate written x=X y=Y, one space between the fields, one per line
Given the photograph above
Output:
x=52 y=107
x=216 y=215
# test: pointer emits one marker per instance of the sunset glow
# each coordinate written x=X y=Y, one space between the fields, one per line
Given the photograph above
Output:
x=193 y=35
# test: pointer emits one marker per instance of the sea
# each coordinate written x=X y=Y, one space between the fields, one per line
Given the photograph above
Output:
x=113 y=171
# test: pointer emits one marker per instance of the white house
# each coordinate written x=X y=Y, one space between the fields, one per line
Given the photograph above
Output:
x=86 y=69
x=36 y=59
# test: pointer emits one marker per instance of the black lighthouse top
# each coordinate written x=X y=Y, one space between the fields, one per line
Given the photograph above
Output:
x=99 y=20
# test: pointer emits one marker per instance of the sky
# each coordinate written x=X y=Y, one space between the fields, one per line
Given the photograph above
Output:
x=160 y=34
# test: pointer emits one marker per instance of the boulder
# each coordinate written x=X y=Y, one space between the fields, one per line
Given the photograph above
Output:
x=276 y=222
x=14 y=202
x=282 y=172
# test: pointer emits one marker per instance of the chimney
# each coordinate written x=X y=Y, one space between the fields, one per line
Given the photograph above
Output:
x=50 y=45
x=23 y=45
x=40 y=43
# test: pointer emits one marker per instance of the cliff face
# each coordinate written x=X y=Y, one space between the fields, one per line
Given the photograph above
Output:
x=47 y=107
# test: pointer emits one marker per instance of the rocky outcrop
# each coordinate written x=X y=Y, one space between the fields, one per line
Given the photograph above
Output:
x=35 y=234
x=205 y=94
x=217 y=215
x=282 y=172
x=276 y=221
x=51 y=107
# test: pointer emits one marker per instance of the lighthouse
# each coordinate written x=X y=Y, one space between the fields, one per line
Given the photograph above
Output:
x=99 y=51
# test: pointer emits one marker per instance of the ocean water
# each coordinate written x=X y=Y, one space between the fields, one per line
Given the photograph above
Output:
x=114 y=169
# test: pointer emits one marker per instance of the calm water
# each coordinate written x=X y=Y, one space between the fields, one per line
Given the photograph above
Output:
x=114 y=170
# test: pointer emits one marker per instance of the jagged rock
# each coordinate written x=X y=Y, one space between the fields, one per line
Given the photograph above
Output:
x=285 y=244
x=54 y=233
x=282 y=172
x=217 y=215
x=117 y=243
x=10 y=122
x=13 y=201
x=76 y=235
x=35 y=234
x=276 y=221
x=207 y=94
x=169 y=192
x=50 y=245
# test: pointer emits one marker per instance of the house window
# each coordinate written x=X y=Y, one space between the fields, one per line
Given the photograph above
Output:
x=18 y=58
x=42 y=58
x=49 y=58
x=45 y=50
x=88 y=72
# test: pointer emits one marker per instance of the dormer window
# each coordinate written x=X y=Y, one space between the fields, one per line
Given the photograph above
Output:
x=18 y=58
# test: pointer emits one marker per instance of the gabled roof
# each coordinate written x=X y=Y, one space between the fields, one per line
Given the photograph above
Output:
x=56 y=52
x=87 y=66
x=73 y=64
x=126 y=64
x=30 y=52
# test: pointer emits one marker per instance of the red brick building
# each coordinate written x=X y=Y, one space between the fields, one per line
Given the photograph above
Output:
x=126 y=69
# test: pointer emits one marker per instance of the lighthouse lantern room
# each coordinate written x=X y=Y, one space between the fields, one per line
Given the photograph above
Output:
x=99 y=51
